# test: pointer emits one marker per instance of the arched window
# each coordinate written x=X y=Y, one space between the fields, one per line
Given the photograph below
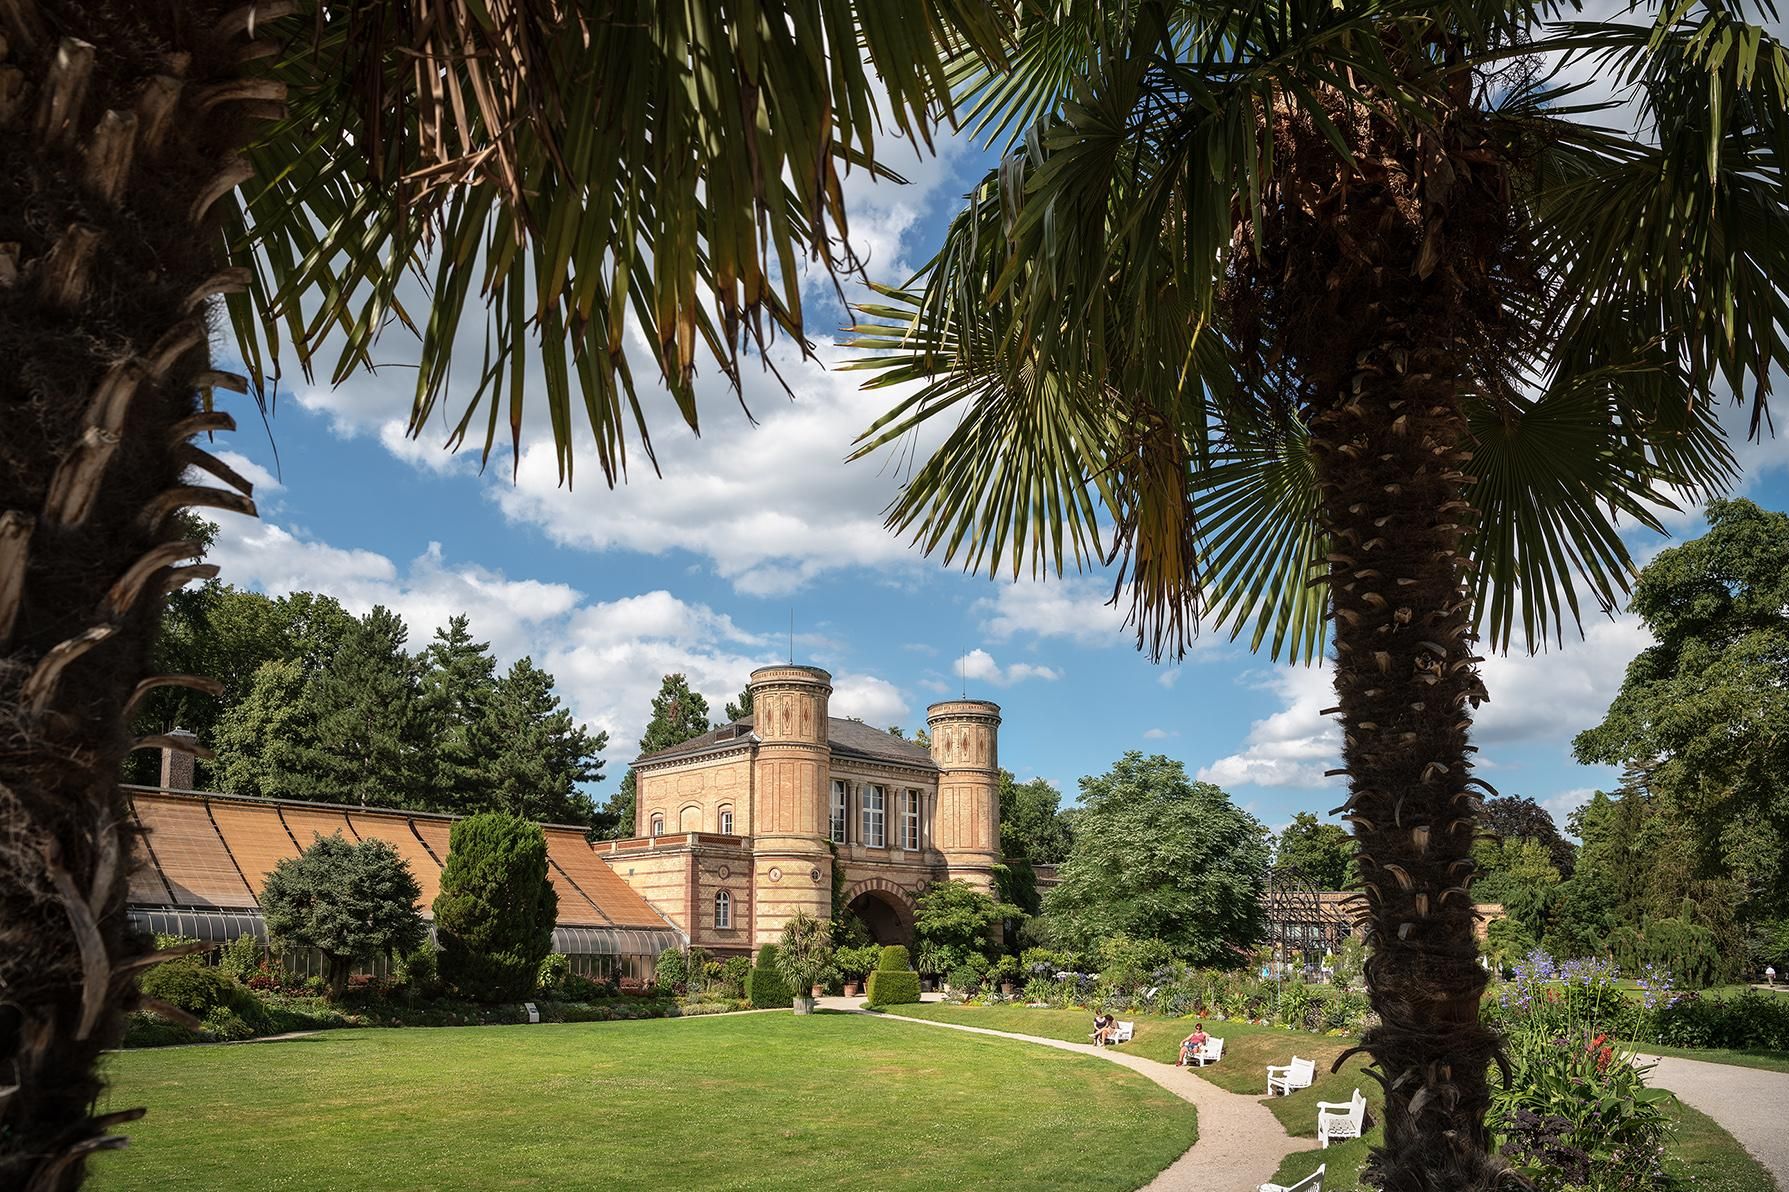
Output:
x=723 y=910
x=726 y=821
x=658 y=825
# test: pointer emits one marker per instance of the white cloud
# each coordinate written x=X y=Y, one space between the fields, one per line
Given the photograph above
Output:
x=874 y=701
x=1561 y=805
x=1074 y=607
x=608 y=656
x=1533 y=699
x=1159 y=734
x=980 y=665
x=1536 y=697
x=1292 y=747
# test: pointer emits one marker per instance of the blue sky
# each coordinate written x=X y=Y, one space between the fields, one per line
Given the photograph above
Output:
x=701 y=571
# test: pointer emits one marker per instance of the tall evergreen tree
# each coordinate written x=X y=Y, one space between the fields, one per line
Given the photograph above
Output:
x=370 y=744
x=531 y=754
x=265 y=742
x=458 y=685
x=740 y=708
x=678 y=714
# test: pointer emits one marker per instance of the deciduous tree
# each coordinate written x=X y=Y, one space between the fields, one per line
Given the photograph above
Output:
x=1322 y=852
x=351 y=902
x=1158 y=856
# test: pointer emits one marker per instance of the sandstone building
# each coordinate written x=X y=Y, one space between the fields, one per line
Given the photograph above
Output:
x=743 y=826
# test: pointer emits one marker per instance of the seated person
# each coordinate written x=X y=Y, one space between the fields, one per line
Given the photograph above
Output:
x=1190 y=1045
x=1103 y=1027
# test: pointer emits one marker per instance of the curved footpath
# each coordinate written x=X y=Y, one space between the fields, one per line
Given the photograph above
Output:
x=1749 y=1103
x=1240 y=1143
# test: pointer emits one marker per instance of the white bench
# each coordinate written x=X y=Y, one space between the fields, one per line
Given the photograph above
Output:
x=1208 y=1052
x=1340 y=1119
x=1296 y=1075
x=1310 y=1183
x=1124 y=1032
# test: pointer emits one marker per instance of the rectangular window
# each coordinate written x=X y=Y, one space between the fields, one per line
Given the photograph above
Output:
x=726 y=823
x=875 y=817
x=836 y=828
x=910 y=821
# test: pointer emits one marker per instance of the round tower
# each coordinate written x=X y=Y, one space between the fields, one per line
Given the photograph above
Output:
x=792 y=864
x=965 y=744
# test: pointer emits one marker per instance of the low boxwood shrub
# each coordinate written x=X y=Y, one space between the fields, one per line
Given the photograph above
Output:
x=1751 y=1020
x=890 y=987
x=190 y=985
x=765 y=987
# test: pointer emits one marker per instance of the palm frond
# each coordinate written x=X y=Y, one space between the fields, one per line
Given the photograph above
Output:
x=660 y=168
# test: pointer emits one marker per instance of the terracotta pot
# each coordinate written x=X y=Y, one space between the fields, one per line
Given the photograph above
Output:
x=1006 y=989
x=850 y=989
x=818 y=991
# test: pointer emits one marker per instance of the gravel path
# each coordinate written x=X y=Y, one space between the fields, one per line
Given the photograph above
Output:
x=1240 y=1143
x=1749 y=1103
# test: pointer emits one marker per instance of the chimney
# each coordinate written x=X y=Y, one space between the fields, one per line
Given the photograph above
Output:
x=177 y=764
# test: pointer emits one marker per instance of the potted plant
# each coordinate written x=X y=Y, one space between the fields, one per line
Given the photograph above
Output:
x=931 y=961
x=854 y=964
x=1006 y=974
x=805 y=957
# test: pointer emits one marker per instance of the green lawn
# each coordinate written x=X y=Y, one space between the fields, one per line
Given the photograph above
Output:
x=1702 y=1157
x=753 y=1101
x=1770 y=1061
x=1247 y=1052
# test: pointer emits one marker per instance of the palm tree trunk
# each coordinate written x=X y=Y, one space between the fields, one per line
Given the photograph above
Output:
x=119 y=126
x=1389 y=448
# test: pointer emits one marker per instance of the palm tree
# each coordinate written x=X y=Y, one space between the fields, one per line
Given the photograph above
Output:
x=1347 y=320
x=553 y=169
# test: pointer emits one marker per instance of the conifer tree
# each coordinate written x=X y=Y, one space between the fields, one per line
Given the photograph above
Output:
x=678 y=714
x=495 y=913
x=370 y=745
x=458 y=686
x=531 y=754
x=740 y=708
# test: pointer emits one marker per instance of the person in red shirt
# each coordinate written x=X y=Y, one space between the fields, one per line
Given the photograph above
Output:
x=1190 y=1045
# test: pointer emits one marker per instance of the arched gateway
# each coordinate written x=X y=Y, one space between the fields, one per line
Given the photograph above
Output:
x=884 y=908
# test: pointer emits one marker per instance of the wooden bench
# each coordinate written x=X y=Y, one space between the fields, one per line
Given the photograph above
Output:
x=1340 y=1119
x=1209 y=1052
x=1310 y=1183
x=1296 y=1075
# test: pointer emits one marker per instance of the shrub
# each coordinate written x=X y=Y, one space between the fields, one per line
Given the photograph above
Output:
x=1578 y=1116
x=892 y=987
x=734 y=971
x=1007 y=970
x=419 y=970
x=495 y=913
x=894 y=959
x=671 y=971
x=1751 y=1020
x=554 y=969
x=695 y=970
x=764 y=985
x=351 y=902
x=240 y=959
x=854 y=964
x=187 y=984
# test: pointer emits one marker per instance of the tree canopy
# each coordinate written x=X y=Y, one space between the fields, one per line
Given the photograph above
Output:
x=1704 y=710
x=953 y=921
x=1158 y=856
x=351 y=902
x=1322 y=852
x=1032 y=825
x=495 y=914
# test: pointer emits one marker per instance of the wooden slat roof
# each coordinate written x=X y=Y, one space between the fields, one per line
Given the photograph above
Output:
x=209 y=851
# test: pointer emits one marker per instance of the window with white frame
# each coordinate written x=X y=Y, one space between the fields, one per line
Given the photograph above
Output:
x=835 y=829
x=726 y=821
x=723 y=910
x=910 y=820
x=875 y=816
x=658 y=825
